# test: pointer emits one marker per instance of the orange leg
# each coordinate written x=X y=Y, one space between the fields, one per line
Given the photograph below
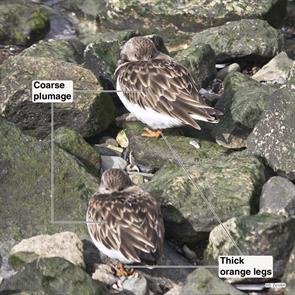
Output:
x=121 y=271
x=151 y=134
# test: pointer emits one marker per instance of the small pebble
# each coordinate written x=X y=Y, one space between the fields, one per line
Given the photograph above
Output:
x=108 y=162
x=122 y=139
x=195 y=144
x=190 y=254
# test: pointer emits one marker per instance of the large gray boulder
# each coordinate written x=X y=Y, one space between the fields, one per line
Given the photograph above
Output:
x=89 y=113
x=273 y=138
x=229 y=183
x=240 y=39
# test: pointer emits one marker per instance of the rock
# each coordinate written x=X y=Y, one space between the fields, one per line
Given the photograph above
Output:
x=273 y=138
x=103 y=273
x=108 y=150
x=276 y=71
x=70 y=50
x=72 y=142
x=289 y=274
x=205 y=281
x=278 y=197
x=136 y=285
x=232 y=68
x=108 y=162
x=89 y=114
x=262 y=234
x=291 y=79
x=154 y=153
x=101 y=56
x=64 y=245
x=200 y=60
x=187 y=16
x=25 y=187
x=122 y=139
x=229 y=183
x=6 y=270
x=243 y=102
x=245 y=38
x=23 y=24
x=52 y=276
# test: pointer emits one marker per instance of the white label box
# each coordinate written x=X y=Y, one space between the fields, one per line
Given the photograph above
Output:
x=245 y=266
x=48 y=91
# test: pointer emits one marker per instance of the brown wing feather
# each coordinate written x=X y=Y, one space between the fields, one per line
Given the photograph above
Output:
x=129 y=221
x=164 y=86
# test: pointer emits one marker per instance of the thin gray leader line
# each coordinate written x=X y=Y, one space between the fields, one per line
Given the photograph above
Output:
x=211 y=208
x=171 y=266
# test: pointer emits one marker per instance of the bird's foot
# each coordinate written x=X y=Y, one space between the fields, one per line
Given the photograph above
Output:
x=151 y=134
x=121 y=271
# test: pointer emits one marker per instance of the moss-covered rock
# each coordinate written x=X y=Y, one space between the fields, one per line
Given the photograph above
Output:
x=273 y=138
x=239 y=39
x=204 y=281
x=243 y=102
x=52 y=276
x=89 y=114
x=262 y=234
x=154 y=153
x=200 y=60
x=23 y=24
x=64 y=245
x=73 y=143
x=25 y=202
x=70 y=50
x=229 y=183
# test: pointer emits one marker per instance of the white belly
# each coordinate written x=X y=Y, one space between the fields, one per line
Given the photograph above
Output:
x=114 y=254
x=148 y=116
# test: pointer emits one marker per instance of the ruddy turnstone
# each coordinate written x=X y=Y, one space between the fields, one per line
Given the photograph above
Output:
x=158 y=90
x=124 y=221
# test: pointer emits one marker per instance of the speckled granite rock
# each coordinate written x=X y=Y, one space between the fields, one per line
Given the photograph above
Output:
x=240 y=39
x=89 y=114
x=289 y=274
x=278 y=197
x=273 y=138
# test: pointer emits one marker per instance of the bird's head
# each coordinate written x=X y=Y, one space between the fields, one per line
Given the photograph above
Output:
x=138 y=48
x=114 y=180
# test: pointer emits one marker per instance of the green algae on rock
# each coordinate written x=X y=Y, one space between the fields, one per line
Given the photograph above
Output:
x=262 y=234
x=70 y=50
x=25 y=186
x=72 y=142
x=52 y=276
x=230 y=183
x=200 y=60
x=89 y=114
x=247 y=38
x=243 y=103
x=23 y=24
x=154 y=153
